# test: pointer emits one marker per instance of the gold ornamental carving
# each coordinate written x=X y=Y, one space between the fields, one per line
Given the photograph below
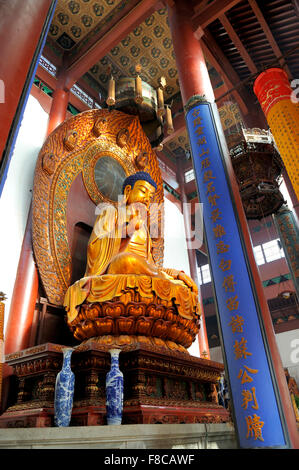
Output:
x=100 y=126
x=48 y=163
x=122 y=138
x=141 y=160
x=70 y=140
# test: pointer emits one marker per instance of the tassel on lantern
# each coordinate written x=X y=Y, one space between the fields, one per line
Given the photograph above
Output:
x=160 y=96
x=138 y=86
x=169 y=122
x=111 y=92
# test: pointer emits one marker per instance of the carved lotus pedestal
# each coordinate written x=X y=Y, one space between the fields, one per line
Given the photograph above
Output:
x=160 y=386
x=131 y=319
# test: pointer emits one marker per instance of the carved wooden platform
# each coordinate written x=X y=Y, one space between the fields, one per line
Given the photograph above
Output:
x=160 y=387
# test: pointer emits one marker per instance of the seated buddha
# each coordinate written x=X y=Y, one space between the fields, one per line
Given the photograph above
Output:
x=120 y=262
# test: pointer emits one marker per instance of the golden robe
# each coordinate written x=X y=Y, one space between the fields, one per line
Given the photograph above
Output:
x=106 y=242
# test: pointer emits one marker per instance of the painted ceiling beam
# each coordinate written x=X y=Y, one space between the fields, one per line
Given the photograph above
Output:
x=210 y=13
x=218 y=59
x=83 y=46
x=296 y=6
x=238 y=43
x=206 y=14
x=46 y=77
x=264 y=25
x=200 y=6
x=109 y=40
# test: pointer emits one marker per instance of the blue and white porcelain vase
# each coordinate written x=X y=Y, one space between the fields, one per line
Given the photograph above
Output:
x=64 y=391
x=114 y=390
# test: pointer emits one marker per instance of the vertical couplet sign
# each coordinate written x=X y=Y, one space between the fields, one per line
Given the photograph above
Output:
x=257 y=413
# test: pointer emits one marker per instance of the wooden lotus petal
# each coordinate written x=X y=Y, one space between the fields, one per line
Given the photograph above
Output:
x=114 y=310
x=155 y=311
x=143 y=326
x=136 y=309
x=170 y=315
x=160 y=329
x=104 y=326
x=89 y=328
x=125 y=325
x=79 y=334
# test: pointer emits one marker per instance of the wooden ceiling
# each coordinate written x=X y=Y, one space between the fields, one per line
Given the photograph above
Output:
x=77 y=23
x=241 y=39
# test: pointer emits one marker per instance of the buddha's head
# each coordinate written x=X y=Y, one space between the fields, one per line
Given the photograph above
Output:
x=139 y=187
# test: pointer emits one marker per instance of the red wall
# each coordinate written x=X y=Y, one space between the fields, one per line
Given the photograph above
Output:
x=21 y=27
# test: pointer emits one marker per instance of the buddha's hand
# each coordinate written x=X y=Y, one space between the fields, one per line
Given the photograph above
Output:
x=136 y=217
x=188 y=280
x=181 y=276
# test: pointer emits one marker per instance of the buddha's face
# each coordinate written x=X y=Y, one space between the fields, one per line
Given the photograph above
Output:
x=141 y=192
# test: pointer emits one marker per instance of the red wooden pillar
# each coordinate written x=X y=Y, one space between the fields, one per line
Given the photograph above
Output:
x=24 y=27
x=23 y=30
x=193 y=73
x=58 y=109
x=23 y=299
x=196 y=86
x=25 y=292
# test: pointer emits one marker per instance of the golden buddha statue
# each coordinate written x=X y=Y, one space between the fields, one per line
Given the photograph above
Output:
x=124 y=297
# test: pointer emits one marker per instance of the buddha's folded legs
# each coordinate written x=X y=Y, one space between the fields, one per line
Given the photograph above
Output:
x=131 y=263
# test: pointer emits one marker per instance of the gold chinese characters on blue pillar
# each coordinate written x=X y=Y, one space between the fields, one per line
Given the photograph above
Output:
x=255 y=403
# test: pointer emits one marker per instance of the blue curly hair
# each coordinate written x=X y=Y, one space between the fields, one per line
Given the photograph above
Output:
x=139 y=175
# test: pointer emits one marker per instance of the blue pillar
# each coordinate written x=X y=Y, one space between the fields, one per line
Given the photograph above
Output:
x=257 y=409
